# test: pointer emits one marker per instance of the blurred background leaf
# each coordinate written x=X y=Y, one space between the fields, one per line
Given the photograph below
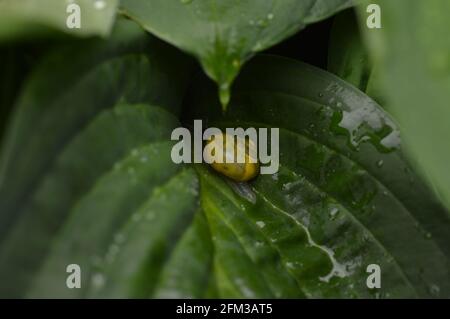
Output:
x=47 y=164
x=31 y=18
x=412 y=50
x=348 y=56
x=15 y=63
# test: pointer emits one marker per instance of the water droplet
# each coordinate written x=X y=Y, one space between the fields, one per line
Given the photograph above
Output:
x=392 y=141
x=136 y=217
x=150 y=216
x=259 y=244
x=246 y=291
x=334 y=212
x=379 y=295
x=435 y=290
x=262 y=23
x=270 y=16
x=99 y=4
x=135 y=152
x=236 y=64
x=244 y=191
x=380 y=163
x=98 y=280
x=224 y=95
x=144 y=159
x=112 y=253
x=260 y=224
x=290 y=265
x=119 y=238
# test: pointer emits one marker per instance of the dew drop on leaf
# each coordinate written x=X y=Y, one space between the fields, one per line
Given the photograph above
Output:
x=98 y=280
x=260 y=224
x=380 y=163
x=224 y=95
x=334 y=212
x=99 y=4
x=435 y=290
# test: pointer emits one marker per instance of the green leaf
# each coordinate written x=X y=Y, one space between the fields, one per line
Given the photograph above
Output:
x=413 y=51
x=184 y=276
x=61 y=96
x=29 y=18
x=349 y=59
x=345 y=196
x=347 y=56
x=13 y=68
x=132 y=180
x=224 y=34
x=150 y=237
x=59 y=145
x=109 y=198
x=235 y=237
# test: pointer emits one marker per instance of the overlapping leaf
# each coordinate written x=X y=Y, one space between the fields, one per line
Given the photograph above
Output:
x=224 y=34
x=28 y=18
x=65 y=135
x=412 y=50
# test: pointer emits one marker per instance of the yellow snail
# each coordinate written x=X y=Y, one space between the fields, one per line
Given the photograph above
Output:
x=239 y=171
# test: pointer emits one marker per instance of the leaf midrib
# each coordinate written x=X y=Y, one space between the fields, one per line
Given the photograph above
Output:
x=358 y=164
x=347 y=212
x=375 y=179
x=232 y=200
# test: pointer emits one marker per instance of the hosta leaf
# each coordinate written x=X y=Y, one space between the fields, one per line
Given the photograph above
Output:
x=126 y=186
x=149 y=237
x=413 y=51
x=61 y=96
x=343 y=179
x=76 y=170
x=14 y=65
x=349 y=59
x=224 y=34
x=34 y=17
x=235 y=237
x=184 y=276
x=59 y=145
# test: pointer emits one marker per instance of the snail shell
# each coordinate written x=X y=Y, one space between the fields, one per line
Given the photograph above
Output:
x=241 y=170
